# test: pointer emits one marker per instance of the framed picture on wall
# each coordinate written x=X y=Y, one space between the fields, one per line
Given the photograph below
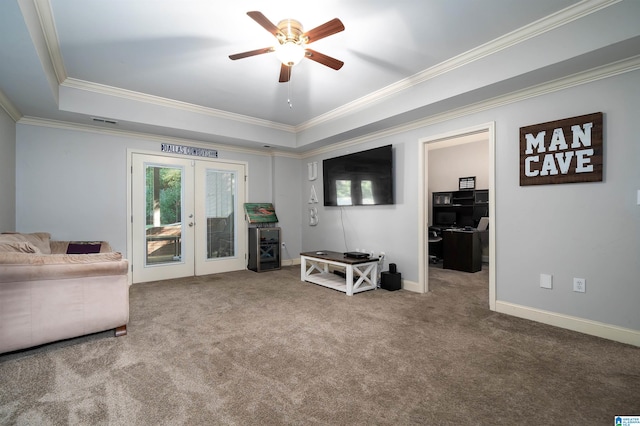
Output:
x=467 y=183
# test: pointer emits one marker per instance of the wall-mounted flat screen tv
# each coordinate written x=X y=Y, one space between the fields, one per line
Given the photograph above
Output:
x=364 y=178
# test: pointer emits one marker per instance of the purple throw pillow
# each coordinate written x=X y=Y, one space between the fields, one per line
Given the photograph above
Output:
x=75 y=248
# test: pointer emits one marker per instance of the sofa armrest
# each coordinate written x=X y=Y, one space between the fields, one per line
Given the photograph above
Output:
x=42 y=303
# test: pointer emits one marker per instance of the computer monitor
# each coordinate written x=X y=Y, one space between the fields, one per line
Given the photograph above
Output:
x=445 y=218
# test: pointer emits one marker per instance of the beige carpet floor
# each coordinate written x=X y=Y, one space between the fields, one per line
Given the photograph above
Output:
x=247 y=348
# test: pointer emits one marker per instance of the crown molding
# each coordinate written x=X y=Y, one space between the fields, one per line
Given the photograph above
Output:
x=543 y=25
x=589 y=76
x=9 y=107
x=607 y=71
x=50 y=33
x=511 y=39
x=171 y=103
x=65 y=125
x=39 y=21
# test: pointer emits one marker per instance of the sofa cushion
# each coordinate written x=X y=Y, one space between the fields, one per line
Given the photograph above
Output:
x=83 y=248
x=18 y=247
x=37 y=239
x=56 y=259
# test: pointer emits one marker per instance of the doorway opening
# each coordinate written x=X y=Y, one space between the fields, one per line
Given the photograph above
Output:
x=457 y=139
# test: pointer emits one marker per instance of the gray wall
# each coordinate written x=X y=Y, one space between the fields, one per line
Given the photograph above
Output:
x=73 y=184
x=7 y=172
x=390 y=229
x=588 y=230
x=286 y=199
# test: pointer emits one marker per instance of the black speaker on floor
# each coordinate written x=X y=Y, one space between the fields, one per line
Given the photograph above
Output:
x=391 y=281
x=392 y=268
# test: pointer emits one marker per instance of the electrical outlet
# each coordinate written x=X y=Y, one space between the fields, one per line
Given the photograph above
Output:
x=579 y=285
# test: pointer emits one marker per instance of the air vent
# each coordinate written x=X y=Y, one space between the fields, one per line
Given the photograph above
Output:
x=103 y=120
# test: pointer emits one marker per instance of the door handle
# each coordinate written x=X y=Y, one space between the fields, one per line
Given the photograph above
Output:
x=191 y=224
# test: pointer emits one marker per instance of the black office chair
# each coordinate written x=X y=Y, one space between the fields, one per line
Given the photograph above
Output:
x=435 y=245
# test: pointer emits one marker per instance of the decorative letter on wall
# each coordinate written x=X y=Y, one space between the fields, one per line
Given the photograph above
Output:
x=313 y=212
x=313 y=216
x=313 y=170
x=313 y=196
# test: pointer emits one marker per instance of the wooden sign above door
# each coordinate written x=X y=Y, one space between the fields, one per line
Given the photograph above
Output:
x=188 y=150
x=562 y=151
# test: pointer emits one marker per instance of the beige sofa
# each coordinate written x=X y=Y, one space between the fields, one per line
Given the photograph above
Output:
x=54 y=290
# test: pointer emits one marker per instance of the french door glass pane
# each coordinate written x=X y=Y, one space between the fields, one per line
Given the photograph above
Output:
x=220 y=213
x=163 y=214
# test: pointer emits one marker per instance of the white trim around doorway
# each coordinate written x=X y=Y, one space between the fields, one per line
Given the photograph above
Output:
x=130 y=154
x=487 y=131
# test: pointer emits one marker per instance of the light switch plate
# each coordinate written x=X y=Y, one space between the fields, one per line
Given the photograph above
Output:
x=546 y=281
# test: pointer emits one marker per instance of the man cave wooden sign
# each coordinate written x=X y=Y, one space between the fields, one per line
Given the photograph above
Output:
x=562 y=151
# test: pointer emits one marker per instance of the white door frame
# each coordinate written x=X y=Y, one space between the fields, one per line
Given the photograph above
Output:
x=424 y=203
x=184 y=266
x=242 y=245
x=203 y=263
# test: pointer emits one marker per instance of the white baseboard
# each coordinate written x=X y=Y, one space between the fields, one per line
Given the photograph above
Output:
x=290 y=262
x=411 y=286
x=593 y=328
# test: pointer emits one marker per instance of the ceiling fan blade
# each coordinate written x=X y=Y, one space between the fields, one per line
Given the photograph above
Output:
x=285 y=73
x=325 y=30
x=266 y=24
x=251 y=53
x=323 y=59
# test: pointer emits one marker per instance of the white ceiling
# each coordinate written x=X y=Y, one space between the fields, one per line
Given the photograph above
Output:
x=69 y=60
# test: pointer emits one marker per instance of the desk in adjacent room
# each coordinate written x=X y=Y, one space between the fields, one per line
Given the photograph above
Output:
x=462 y=250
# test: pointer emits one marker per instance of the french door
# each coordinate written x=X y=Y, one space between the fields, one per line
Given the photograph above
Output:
x=187 y=217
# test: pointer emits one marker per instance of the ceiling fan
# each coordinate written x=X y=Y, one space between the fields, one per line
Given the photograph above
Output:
x=292 y=43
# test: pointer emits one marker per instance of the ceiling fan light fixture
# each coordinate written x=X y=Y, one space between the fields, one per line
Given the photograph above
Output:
x=291 y=43
x=290 y=53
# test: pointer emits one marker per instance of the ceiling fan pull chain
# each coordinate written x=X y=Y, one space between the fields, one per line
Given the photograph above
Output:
x=289 y=90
